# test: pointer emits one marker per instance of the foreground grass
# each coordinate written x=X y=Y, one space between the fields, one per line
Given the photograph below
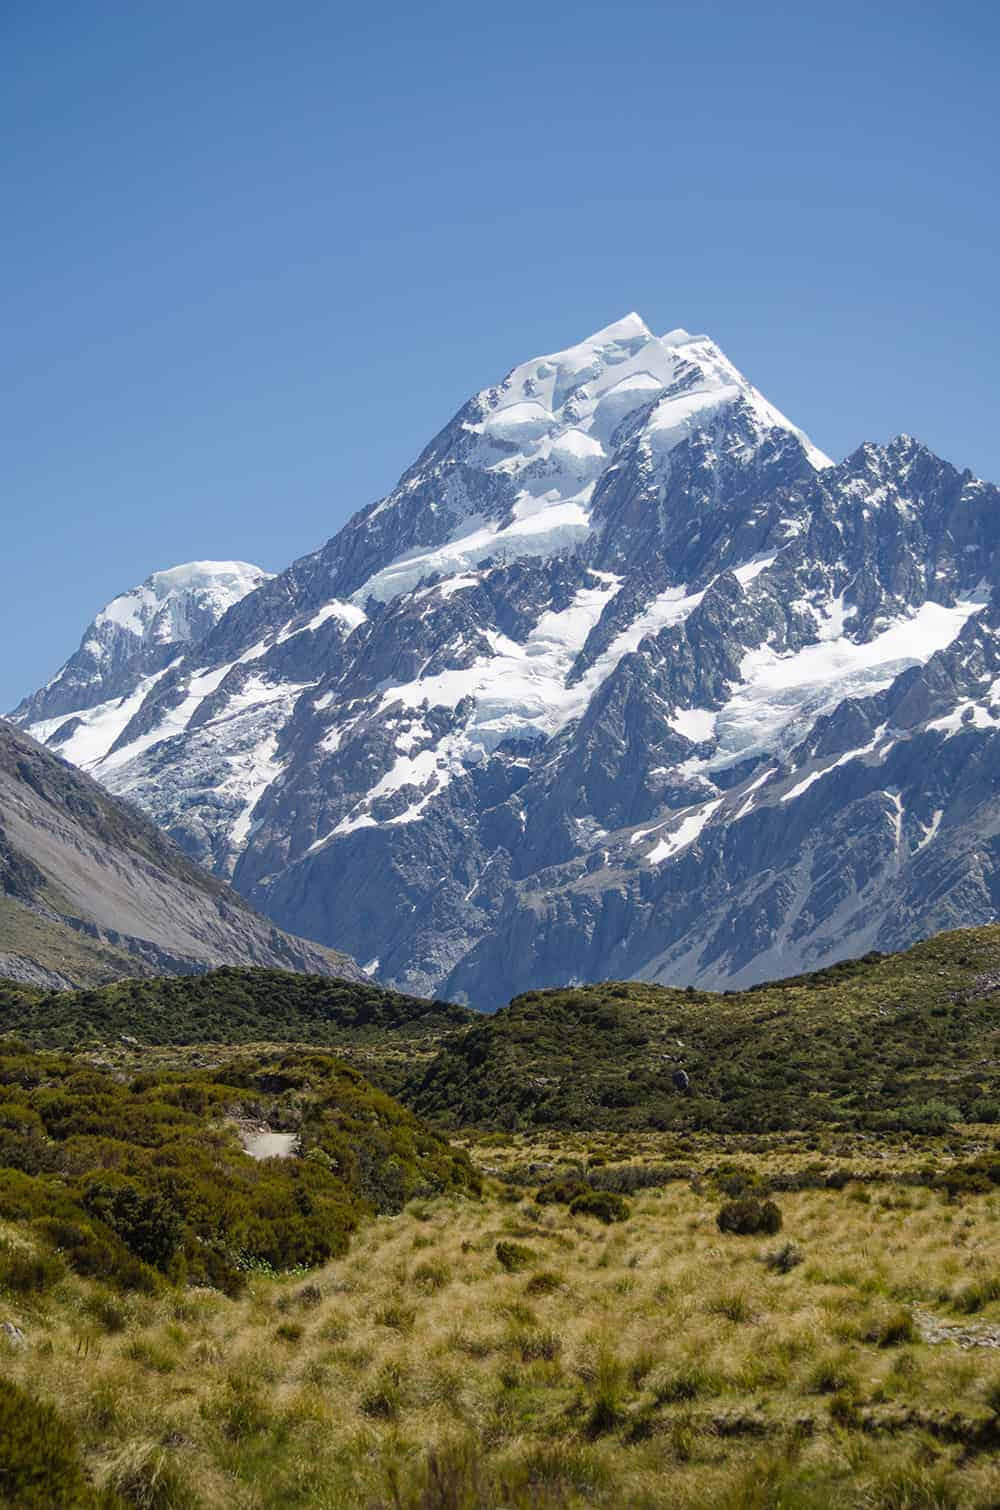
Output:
x=652 y=1363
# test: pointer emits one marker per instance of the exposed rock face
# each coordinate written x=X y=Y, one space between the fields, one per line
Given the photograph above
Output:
x=623 y=679
x=91 y=890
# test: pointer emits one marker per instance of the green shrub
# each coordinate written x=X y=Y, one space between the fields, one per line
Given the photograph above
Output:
x=545 y=1282
x=784 y=1259
x=977 y=1294
x=561 y=1190
x=40 y=1464
x=831 y=1376
x=748 y=1216
x=106 y=1310
x=926 y=1116
x=513 y=1256
x=844 y=1412
x=94 y=1255
x=147 y=1226
x=891 y=1330
x=605 y=1205
x=608 y=1405
x=26 y=1272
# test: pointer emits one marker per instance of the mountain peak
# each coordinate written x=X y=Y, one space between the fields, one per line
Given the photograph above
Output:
x=629 y=328
x=138 y=632
x=607 y=685
x=161 y=604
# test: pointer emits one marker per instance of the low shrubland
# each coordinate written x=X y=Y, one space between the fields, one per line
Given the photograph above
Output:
x=144 y=1182
x=899 y=1043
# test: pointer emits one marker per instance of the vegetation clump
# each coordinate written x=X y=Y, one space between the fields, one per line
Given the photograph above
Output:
x=604 y=1205
x=146 y=1182
x=890 y=1043
x=40 y=1463
x=561 y=1190
x=748 y=1216
x=513 y=1256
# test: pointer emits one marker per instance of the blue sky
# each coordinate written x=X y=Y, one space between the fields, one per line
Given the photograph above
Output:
x=256 y=255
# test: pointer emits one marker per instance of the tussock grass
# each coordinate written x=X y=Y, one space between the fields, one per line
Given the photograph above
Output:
x=659 y=1362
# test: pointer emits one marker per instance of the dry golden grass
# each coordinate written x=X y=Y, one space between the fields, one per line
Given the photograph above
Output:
x=654 y=1363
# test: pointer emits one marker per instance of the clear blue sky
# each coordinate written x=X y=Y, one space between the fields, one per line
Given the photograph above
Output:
x=256 y=254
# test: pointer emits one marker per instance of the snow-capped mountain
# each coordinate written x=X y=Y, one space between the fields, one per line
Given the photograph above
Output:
x=624 y=678
x=134 y=636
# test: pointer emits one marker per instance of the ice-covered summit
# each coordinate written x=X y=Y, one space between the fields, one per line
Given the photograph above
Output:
x=137 y=632
x=521 y=468
x=176 y=605
x=679 y=381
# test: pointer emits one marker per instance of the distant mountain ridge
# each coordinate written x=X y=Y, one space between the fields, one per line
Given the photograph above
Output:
x=625 y=678
x=91 y=891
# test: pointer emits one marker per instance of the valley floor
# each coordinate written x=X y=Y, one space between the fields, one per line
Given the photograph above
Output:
x=469 y=1354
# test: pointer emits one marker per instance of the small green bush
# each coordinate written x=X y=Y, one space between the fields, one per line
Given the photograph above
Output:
x=513 y=1256
x=977 y=1294
x=40 y=1464
x=605 y=1205
x=891 y=1330
x=784 y=1259
x=749 y=1216
x=24 y=1272
x=545 y=1282
x=146 y=1224
x=831 y=1376
x=561 y=1190
x=96 y=1256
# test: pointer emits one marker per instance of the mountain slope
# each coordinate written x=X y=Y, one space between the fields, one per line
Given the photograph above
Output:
x=624 y=678
x=90 y=890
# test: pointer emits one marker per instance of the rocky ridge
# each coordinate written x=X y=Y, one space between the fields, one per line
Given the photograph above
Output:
x=91 y=891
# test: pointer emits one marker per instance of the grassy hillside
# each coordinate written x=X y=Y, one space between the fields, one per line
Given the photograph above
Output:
x=382 y=1031
x=910 y=1040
